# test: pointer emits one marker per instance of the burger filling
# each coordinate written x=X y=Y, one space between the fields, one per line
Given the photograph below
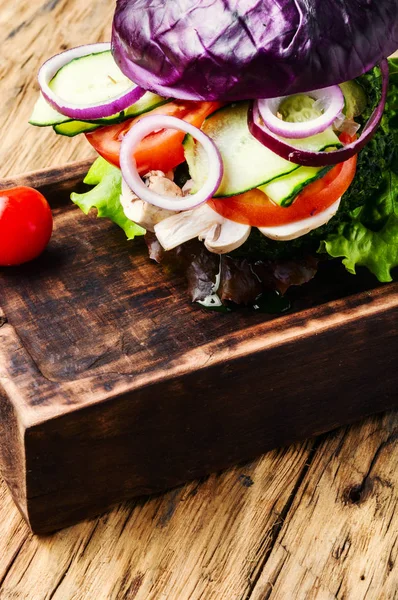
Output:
x=256 y=193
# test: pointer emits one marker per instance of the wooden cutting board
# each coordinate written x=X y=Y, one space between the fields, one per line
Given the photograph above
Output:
x=113 y=385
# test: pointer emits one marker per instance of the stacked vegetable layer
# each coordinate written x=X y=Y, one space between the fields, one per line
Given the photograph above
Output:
x=277 y=168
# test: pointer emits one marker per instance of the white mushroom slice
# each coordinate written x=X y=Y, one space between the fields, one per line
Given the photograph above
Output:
x=291 y=231
x=186 y=225
x=141 y=212
x=202 y=222
x=145 y=214
x=226 y=236
x=160 y=183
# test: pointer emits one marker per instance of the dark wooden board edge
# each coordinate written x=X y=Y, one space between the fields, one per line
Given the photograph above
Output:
x=12 y=452
x=123 y=447
x=65 y=177
x=43 y=399
x=119 y=447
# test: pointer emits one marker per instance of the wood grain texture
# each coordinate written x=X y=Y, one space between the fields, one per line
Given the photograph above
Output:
x=352 y=480
x=153 y=392
x=118 y=555
x=30 y=31
x=189 y=527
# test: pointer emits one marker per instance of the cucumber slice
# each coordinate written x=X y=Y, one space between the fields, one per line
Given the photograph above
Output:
x=298 y=108
x=191 y=157
x=247 y=163
x=44 y=114
x=72 y=128
x=90 y=79
x=355 y=99
x=148 y=102
x=283 y=190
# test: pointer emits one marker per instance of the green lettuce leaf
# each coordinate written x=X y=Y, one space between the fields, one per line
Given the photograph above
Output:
x=368 y=234
x=107 y=180
x=370 y=238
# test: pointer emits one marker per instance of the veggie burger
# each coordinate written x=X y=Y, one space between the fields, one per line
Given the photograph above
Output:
x=247 y=140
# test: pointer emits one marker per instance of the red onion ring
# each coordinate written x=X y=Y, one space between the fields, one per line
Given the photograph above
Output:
x=98 y=110
x=333 y=98
x=131 y=176
x=319 y=159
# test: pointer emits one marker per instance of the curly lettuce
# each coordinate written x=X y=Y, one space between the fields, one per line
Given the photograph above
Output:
x=368 y=235
x=105 y=197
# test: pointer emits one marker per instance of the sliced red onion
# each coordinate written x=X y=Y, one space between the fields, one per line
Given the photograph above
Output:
x=98 y=110
x=331 y=99
x=319 y=159
x=130 y=174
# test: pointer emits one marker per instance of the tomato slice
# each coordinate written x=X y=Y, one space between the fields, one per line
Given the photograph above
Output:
x=162 y=150
x=256 y=209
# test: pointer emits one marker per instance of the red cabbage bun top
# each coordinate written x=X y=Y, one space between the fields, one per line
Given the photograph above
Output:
x=239 y=49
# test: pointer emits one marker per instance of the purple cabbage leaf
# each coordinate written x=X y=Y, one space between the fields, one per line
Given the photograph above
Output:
x=240 y=49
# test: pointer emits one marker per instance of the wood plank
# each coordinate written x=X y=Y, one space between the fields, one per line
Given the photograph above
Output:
x=30 y=32
x=14 y=532
x=200 y=541
x=212 y=540
x=141 y=363
x=340 y=538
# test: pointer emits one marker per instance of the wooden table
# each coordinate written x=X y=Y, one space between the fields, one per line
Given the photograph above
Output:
x=313 y=521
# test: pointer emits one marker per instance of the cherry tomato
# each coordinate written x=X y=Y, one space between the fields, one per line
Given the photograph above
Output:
x=162 y=150
x=26 y=225
x=256 y=209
